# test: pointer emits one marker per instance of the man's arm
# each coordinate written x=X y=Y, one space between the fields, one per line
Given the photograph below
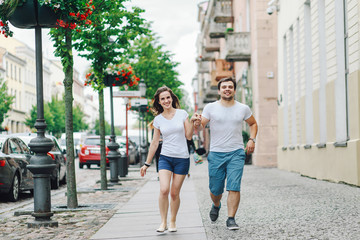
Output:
x=200 y=124
x=250 y=146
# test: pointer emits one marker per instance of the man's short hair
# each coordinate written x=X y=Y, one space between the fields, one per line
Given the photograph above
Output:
x=227 y=79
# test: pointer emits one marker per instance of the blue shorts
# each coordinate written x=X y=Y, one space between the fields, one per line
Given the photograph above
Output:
x=227 y=165
x=175 y=165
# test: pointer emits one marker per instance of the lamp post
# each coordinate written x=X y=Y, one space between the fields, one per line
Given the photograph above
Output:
x=113 y=154
x=31 y=15
x=142 y=109
x=41 y=165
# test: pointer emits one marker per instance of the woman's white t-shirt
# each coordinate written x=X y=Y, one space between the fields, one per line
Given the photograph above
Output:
x=173 y=134
x=226 y=125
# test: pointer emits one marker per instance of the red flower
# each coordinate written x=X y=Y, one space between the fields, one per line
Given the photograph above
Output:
x=72 y=25
x=117 y=79
x=72 y=14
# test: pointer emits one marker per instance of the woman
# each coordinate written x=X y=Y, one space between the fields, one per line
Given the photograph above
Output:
x=173 y=124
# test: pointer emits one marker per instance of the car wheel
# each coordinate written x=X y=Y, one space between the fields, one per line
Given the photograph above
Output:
x=81 y=165
x=88 y=166
x=63 y=181
x=13 y=194
x=55 y=183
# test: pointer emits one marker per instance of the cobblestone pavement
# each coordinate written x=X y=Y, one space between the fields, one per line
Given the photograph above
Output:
x=75 y=224
x=277 y=204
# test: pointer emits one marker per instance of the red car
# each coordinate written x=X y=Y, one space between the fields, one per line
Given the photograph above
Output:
x=90 y=151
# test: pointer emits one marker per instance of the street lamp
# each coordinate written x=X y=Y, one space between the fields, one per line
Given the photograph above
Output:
x=41 y=165
x=142 y=88
x=142 y=109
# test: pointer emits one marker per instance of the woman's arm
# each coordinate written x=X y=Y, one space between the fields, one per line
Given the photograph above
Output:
x=189 y=125
x=152 y=149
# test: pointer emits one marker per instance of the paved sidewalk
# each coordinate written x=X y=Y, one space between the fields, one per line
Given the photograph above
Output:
x=140 y=217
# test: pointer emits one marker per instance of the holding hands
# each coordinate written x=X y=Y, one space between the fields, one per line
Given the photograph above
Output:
x=196 y=120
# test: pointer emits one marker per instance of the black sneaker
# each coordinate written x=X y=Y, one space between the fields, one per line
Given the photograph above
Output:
x=231 y=224
x=214 y=212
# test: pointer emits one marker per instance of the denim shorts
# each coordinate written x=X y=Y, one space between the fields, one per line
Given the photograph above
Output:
x=175 y=165
x=225 y=165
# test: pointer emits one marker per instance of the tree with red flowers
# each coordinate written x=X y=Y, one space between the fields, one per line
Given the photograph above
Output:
x=113 y=28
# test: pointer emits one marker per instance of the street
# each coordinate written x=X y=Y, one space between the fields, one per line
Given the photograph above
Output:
x=83 y=176
x=276 y=204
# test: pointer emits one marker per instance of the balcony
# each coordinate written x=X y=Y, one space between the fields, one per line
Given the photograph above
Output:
x=223 y=12
x=238 y=46
x=212 y=44
x=207 y=56
x=211 y=92
x=217 y=30
x=203 y=67
x=223 y=69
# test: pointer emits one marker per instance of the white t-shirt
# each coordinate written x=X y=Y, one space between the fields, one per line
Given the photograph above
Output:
x=226 y=125
x=173 y=134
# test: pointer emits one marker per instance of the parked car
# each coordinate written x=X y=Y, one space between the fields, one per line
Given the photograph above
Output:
x=78 y=138
x=59 y=173
x=134 y=154
x=14 y=176
x=90 y=151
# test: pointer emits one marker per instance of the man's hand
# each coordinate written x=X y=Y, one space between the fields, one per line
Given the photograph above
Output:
x=250 y=147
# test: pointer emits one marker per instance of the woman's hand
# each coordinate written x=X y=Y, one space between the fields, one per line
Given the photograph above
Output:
x=143 y=170
x=195 y=119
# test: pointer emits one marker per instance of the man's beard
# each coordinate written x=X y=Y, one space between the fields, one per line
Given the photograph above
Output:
x=230 y=98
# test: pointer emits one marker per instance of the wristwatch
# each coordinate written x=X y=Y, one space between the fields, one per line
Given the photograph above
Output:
x=252 y=139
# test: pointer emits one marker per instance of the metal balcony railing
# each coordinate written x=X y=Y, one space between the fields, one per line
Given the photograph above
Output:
x=238 y=46
x=223 y=11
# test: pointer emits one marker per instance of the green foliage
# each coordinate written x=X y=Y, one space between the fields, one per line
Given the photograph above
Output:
x=54 y=114
x=155 y=65
x=113 y=28
x=5 y=99
x=107 y=129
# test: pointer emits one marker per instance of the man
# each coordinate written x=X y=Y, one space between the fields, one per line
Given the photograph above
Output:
x=227 y=157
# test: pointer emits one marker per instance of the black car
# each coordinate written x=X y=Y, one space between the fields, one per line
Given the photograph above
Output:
x=14 y=176
x=59 y=174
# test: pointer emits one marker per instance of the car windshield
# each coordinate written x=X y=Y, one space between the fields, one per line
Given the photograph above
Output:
x=92 y=141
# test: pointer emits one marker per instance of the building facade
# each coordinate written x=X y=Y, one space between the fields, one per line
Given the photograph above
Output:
x=238 y=39
x=319 y=93
x=19 y=71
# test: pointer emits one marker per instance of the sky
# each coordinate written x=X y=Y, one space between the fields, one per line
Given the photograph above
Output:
x=174 y=22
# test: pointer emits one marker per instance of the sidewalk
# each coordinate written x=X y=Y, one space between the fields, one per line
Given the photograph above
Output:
x=140 y=217
x=275 y=204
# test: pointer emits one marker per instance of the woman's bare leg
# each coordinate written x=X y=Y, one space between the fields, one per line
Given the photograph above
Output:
x=175 y=197
x=164 y=178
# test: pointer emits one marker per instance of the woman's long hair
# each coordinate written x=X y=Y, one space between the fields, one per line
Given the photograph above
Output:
x=157 y=108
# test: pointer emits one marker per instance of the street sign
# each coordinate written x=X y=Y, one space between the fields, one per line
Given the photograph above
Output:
x=135 y=102
x=126 y=94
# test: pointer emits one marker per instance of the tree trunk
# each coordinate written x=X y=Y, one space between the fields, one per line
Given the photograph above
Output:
x=70 y=163
x=102 y=141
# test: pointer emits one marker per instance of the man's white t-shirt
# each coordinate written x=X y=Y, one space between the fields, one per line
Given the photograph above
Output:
x=226 y=125
x=173 y=134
